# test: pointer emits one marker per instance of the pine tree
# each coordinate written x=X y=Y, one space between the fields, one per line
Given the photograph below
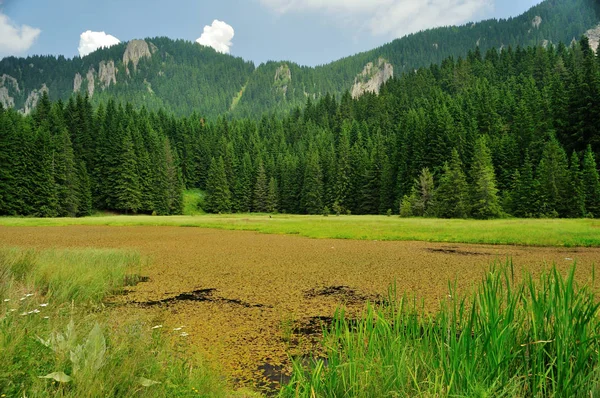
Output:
x=273 y=196
x=524 y=195
x=127 y=193
x=261 y=190
x=218 y=199
x=452 y=194
x=552 y=174
x=83 y=191
x=575 y=198
x=591 y=183
x=423 y=201
x=484 y=194
x=312 y=188
x=242 y=194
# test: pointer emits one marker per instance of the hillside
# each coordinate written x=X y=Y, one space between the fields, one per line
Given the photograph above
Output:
x=183 y=77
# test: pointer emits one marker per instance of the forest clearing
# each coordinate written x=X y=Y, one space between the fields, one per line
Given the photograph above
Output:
x=248 y=301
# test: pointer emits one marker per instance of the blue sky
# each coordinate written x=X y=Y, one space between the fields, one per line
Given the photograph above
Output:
x=309 y=32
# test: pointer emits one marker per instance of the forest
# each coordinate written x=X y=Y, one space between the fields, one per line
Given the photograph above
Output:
x=182 y=77
x=511 y=132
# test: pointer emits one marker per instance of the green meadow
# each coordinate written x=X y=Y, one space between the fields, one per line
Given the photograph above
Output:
x=530 y=232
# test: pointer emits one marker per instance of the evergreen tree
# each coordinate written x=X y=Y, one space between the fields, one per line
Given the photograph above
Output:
x=552 y=174
x=575 y=198
x=218 y=198
x=452 y=194
x=591 y=183
x=484 y=194
x=272 y=197
x=261 y=190
x=423 y=197
x=524 y=196
x=127 y=194
x=312 y=188
x=242 y=196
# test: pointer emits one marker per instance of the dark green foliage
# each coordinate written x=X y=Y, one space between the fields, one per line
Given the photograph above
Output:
x=495 y=114
x=484 y=194
x=452 y=194
x=261 y=190
x=218 y=196
x=552 y=174
x=312 y=188
x=591 y=183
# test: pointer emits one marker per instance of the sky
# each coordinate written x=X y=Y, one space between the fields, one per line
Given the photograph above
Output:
x=309 y=32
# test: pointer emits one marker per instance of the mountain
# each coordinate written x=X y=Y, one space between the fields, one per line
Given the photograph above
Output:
x=182 y=77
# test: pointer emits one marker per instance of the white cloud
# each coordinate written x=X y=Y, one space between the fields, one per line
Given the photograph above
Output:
x=394 y=18
x=218 y=36
x=15 y=39
x=91 y=41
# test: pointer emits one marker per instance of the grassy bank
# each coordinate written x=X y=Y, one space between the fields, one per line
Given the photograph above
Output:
x=58 y=339
x=533 y=232
x=525 y=339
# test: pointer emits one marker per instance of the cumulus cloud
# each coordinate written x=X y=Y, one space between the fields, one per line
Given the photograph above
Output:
x=15 y=39
x=389 y=17
x=91 y=41
x=218 y=36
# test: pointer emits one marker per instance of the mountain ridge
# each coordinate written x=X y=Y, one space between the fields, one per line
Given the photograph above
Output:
x=183 y=77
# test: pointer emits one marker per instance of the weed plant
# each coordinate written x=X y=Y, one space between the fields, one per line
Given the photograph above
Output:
x=527 y=338
x=58 y=339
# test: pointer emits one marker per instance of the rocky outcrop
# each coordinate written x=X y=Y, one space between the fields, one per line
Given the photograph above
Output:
x=136 y=50
x=372 y=78
x=77 y=83
x=283 y=78
x=7 y=79
x=107 y=74
x=91 y=82
x=594 y=36
x=536 y=22
x=6 y=99
x=33 y=98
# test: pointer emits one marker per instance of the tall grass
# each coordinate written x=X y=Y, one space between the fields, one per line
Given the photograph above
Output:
x=57 y=339
x=528 y=338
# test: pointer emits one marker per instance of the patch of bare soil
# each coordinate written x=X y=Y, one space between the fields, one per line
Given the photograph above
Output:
x=247 y=301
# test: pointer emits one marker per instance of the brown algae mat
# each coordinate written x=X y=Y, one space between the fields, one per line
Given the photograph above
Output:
x=248 y=301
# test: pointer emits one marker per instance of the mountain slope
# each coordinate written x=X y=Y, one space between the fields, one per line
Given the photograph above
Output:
x=183 y=77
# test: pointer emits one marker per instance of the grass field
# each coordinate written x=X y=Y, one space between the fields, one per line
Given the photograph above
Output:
x=527 y=232
x=57 y=338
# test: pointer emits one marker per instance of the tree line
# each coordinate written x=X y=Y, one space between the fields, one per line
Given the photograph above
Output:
x=508 y=132
x=67 y=160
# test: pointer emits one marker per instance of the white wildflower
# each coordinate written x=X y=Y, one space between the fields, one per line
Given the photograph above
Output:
x=6 y=300
x=44 y=305
x=184 y=334
x=157 y=327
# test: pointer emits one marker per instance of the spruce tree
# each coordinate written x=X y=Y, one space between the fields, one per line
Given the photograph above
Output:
x=552 y=174
x=525 y=201
x=312 y=188
x=452 y=194
x=484 y=194
x=273 y=196
x=127 y=193
x=218 y=195
x=242 y=194
x=261 y=190
x=591 y=183
x=423 y=203
x=575 y=198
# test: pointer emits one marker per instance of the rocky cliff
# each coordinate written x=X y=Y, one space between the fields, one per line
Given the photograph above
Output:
x=136 y=50
x=372 y=78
